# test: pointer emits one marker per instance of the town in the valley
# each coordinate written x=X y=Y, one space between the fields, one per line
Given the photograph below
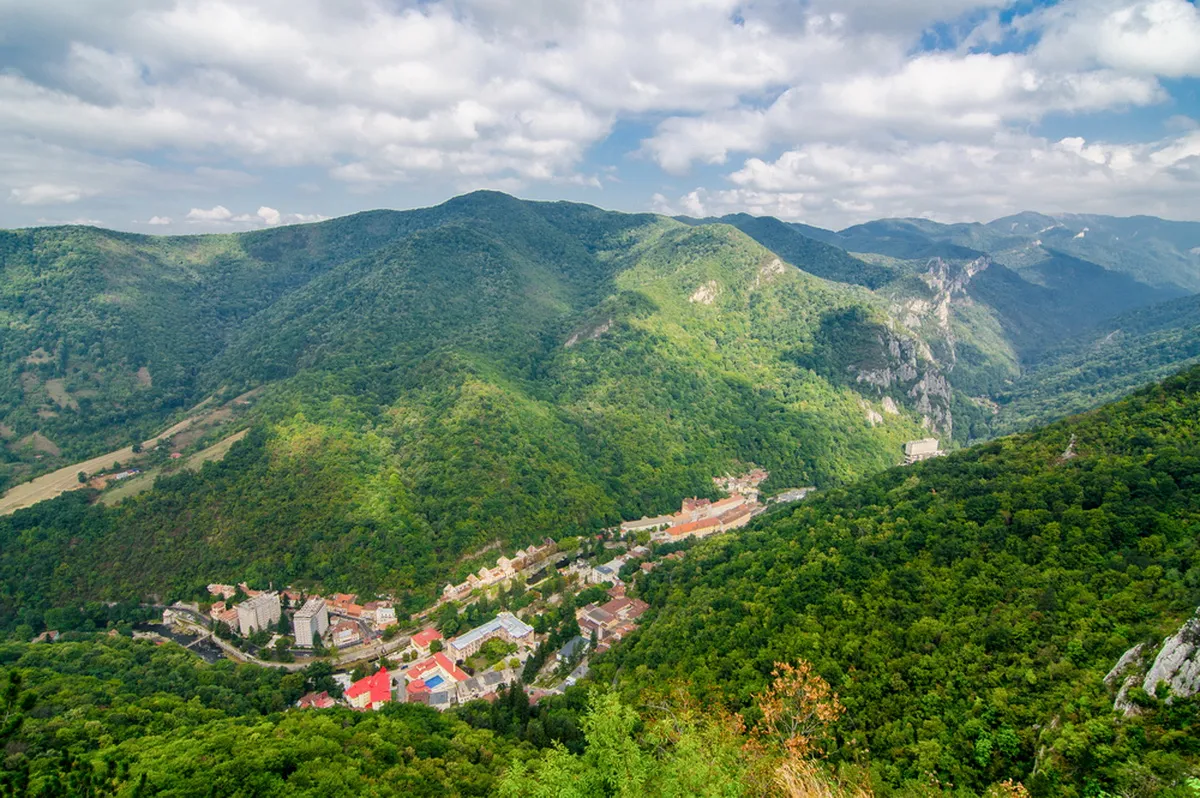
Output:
x=475 y=639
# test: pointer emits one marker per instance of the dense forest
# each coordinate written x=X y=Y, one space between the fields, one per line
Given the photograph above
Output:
x=439 y=380
x=968 y=608
x=943 y=628
x=108 y=716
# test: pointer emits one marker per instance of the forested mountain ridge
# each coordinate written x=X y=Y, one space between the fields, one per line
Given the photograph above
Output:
x=1105 y=362
x=969 y=608
x=430 y=381
x=1157 y=252
x=993 y=301
x=537 y=369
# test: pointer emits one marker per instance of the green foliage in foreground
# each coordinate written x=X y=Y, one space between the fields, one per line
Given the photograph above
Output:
x=128 y=718
x=113 y=717
x=968 y=608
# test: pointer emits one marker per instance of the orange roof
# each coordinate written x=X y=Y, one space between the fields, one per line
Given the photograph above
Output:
x=424 y=638
x=683 y=529
x=379 y=686
x=616 y=605
x=438 y=660
x=448 y=665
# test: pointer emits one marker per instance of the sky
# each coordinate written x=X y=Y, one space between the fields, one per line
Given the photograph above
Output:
x=186 y=116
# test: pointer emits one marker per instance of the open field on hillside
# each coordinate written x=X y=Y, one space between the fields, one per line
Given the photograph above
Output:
x=143 y=482
x=66 y=478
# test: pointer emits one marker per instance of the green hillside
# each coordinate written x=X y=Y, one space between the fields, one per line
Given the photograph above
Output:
x=492 y=370
x=968 y=608
x=1104 y=363
x=429 y=382
x=789 y=242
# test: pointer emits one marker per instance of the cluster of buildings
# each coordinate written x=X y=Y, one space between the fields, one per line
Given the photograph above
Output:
x=260 y=611
x=608 y=623
x=437 y=679
x=745 y=485
x=703 y=517
x=506 y=569
x=337 y=617
x=611 y=571
x=924 y=449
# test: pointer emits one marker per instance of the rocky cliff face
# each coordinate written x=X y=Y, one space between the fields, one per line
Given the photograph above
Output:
x=1176 y=667
x=912 y=372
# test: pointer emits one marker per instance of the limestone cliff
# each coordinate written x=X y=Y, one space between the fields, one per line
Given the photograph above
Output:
x=1176 y=667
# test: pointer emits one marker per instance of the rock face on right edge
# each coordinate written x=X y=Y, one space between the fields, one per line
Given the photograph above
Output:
x=1176 y=666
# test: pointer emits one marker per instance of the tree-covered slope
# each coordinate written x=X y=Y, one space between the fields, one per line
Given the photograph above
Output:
x=968 y=608
x=507 y=371
x=1103 y=364
x=789 y=242
x=108 y=335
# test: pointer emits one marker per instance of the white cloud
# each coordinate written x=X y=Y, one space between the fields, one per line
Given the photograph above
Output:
x=46 y=194
x=218 y=213
x=220 y=216
x=204 y=98
x=269 y=216
x=843 y=184
x=78 y=221
x=1152 y=37
x=931 y=96
x=159 y=220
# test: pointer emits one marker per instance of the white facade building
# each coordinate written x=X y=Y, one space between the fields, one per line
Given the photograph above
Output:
x=311 y=621
x=260 y=612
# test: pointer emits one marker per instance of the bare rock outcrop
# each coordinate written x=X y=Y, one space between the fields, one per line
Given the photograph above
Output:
x=1176 y=666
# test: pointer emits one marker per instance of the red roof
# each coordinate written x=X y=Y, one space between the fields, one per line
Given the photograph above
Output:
x=379 y=686
x=448 y=665
x=319 y=700
x=616 y=605
x=694 y=526
x=424 y=638
x=438 y=660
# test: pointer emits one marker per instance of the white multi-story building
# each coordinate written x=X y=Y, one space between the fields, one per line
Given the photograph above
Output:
x=260 y=612
x=924 y=449
x=311 y=621
x=505 y=625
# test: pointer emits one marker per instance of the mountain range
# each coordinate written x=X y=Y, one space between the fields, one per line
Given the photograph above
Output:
x=421 y=384
x=379 y=403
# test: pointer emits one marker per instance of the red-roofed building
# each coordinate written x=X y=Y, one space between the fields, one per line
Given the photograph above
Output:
x=418 y=692
x=342 y=601
x=705 y=526
x=346 y=633
x=319 y=700
x=421 y=640
x=371 y=692
x=437 y=665
x=736 y=518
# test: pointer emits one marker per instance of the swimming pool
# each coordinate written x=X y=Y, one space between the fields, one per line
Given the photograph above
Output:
x=434 y=681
